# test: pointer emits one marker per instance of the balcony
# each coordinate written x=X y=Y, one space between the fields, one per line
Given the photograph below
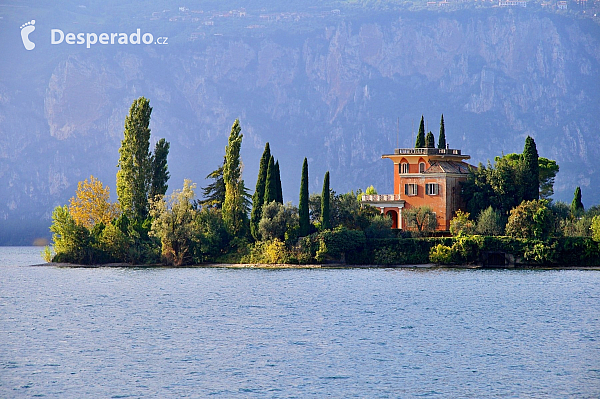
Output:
x=382 y=198
x=426 y=151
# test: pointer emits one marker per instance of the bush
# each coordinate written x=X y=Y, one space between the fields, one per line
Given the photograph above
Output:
x=489 y=223
x=380 y=227
x=335 y=244
x=272 y=252
x=596 y=228
x=531 y=219
x=441 y=254
x=461 y=225
x=277 y=220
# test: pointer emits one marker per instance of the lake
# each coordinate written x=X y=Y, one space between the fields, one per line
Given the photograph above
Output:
x=377 y=333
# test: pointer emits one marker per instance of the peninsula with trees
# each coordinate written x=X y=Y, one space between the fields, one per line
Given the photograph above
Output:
x=443 y=211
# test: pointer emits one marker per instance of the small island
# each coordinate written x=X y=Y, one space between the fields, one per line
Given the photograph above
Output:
x=443 y=211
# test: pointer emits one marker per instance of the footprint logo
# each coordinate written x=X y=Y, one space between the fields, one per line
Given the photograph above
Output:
x=26 y=29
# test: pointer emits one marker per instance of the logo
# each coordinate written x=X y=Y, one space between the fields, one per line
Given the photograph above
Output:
x=26 y=29
x=57 y=36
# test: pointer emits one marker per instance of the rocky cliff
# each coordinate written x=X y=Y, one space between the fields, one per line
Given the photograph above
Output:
x=341 y=94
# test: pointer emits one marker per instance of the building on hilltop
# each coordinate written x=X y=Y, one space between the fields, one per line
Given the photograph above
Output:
x=424 y=176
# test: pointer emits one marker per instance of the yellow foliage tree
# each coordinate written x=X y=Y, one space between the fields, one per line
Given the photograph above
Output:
x=92 y=205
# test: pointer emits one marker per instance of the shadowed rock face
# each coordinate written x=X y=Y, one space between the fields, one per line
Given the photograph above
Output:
x=332 y=94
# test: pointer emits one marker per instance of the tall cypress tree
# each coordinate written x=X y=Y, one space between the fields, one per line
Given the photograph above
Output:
x=531 y=171
x=577 y=205
x=429 y=140
x=133 y=177
x=420 y=143
x=279 y=190
x=442 y=137
x=303 y=212
x=325 y=214
x=271 y=183
x=258 y=198
x=234 y=214
x=160 y=172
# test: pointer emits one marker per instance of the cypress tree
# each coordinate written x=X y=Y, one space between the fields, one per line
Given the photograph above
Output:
x=271 y=183
x=429 y=140
x=325 y=215
x=420 y=143
x=133 y=177
x=577 y=205
x=442 y=137
x=258 y=198
x=531 y=171
x=278 y=191
x=160 y=172
x=303 y=212
x=233 y=206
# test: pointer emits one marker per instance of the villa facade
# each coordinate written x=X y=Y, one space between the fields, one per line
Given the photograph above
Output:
x=424 y=176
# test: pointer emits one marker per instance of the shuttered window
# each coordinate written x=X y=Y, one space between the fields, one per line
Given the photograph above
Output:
x=410 y=189
x=432 y=189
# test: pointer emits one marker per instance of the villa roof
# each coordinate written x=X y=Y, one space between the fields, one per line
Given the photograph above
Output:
x=448 y=167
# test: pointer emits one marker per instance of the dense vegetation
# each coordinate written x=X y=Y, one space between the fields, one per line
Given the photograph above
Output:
x=146 y=226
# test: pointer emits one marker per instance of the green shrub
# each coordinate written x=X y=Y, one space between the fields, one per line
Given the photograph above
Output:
x=461 y=224
x=441 y=254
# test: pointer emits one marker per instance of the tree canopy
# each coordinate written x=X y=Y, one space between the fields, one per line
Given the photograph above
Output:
x=429 y=140
x=133 y=177
x=420 y=143
x=159 y=169
x=303 y=212
x=325 y=197
x=234 y=212
x=576 y=204
x=92 y=204
x=258 y=198
x=442 y=137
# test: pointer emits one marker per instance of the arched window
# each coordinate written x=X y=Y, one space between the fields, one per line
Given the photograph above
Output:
x=421 y=167
x=404 y=167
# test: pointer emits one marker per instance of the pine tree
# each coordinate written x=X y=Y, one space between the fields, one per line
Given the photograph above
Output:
x=303 y=212
x=233 y=207
x=159 y=172
x=214 y=193
x=442 y=137
x=429 y=140
x=258 y=198
x=531 y=171
x=133 y=177
x=271 y=183
x=577 y=205
x=420 y=143
x=325 y=214
x=278 y=191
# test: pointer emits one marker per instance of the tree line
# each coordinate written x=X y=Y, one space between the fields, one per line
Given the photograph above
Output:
x=147 y=226
x=230 y=225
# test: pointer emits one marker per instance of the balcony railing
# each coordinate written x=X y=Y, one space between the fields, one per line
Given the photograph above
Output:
x=381 y=198
x=426 y=151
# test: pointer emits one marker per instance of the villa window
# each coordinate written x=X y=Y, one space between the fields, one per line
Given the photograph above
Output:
x=432 y=189
x=421 y=167
x=404 y=168
x=410 y=189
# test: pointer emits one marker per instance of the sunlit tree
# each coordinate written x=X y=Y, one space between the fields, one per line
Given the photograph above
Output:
x=91 y=204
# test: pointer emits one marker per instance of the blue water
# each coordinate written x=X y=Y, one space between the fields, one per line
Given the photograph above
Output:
x=385 y=333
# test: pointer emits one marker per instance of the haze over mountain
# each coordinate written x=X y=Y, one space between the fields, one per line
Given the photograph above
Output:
x=324 y=83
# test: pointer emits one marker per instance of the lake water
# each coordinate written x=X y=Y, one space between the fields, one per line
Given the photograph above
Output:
x=376 y=333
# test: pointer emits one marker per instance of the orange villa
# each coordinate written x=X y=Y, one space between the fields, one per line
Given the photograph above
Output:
x=424 y=176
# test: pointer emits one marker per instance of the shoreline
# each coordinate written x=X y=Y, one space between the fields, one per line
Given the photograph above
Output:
x=281 y=266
